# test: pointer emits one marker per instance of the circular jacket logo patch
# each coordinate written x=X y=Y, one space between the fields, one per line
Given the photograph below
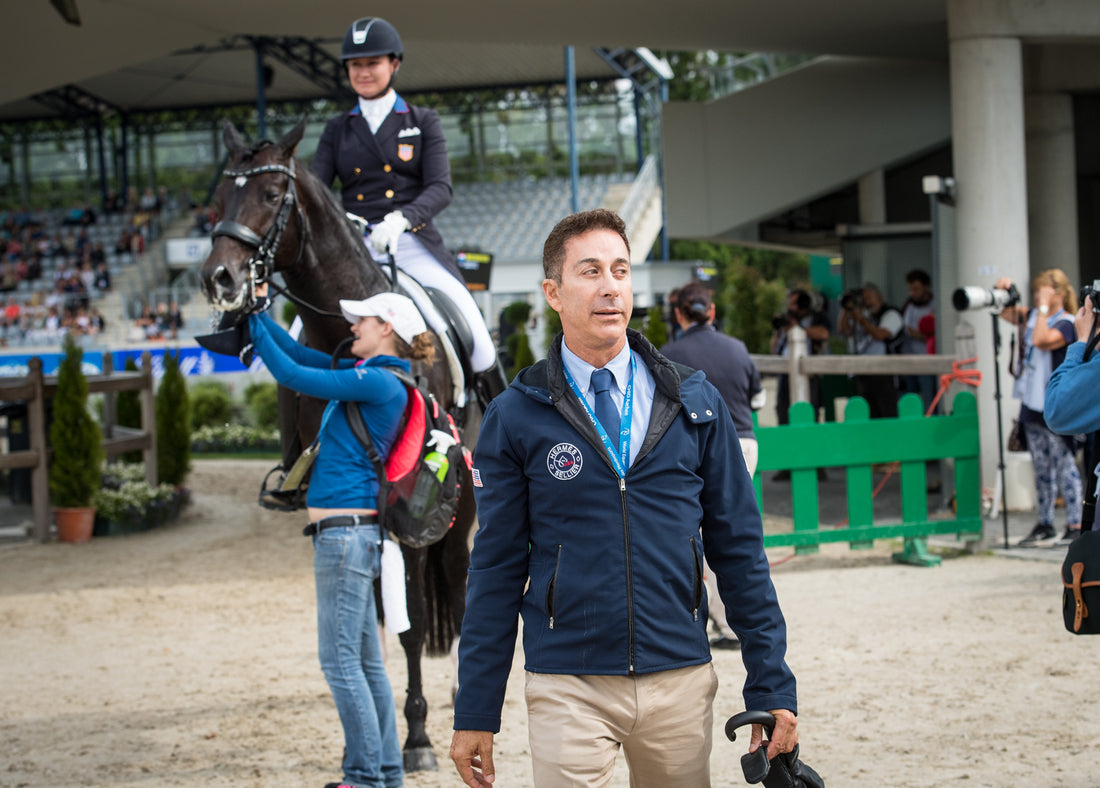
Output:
x=564 y=461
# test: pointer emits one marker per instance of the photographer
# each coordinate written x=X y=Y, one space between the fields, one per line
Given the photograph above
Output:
x=920 y=305
x=800 y=312
x=1069 y=407
x=874 y=329
x=1047 y=331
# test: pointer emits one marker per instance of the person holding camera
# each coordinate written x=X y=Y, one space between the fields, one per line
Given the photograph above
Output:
x=1069 y=407
x=921 y=304
x=1048 y=330
x=873 y=328
x=800 y=312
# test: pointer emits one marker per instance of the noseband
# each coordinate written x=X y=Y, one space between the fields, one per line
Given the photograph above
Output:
x=261 y=263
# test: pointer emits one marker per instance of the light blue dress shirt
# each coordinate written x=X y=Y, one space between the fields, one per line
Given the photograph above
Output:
x=620 y=367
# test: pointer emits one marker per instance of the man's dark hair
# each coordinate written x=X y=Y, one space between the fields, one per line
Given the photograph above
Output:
x=802 y=299
x=553 y=251
x=919 y=275
x=693 y=302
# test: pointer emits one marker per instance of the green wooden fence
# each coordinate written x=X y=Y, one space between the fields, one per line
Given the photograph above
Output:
x=856 y=445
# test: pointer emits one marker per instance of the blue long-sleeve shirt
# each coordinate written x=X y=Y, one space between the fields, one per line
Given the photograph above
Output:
x=1071 y=406
x=343 y=476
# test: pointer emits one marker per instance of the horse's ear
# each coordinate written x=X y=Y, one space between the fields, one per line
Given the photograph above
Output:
x=289 y=143
x=233 y=142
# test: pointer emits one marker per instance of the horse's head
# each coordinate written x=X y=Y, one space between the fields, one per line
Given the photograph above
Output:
x=254 y=205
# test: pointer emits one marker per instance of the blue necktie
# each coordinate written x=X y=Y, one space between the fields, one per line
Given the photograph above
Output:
x=602 y=381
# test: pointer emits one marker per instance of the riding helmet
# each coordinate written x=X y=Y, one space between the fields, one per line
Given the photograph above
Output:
x=371 y=37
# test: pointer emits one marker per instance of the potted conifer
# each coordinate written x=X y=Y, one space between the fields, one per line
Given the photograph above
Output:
x=77 y=450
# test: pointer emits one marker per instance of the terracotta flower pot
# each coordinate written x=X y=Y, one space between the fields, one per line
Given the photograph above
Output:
x=74 y=524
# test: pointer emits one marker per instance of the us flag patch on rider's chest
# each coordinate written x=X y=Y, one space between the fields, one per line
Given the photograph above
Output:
x=477 y=478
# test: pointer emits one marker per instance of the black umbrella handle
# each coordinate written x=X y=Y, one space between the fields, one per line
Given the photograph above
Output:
x=765 y=718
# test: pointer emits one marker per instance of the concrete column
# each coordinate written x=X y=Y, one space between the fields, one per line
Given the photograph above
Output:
x=1052 y=184
x=872 y=198
x=872 y=210
x=987 y=108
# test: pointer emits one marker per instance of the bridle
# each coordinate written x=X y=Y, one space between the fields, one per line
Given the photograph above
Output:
x=261 y=263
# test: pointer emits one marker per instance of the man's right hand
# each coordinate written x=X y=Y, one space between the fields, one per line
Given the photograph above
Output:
x=472 y=753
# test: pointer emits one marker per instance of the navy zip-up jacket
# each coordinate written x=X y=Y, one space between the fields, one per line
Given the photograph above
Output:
x=607 y=573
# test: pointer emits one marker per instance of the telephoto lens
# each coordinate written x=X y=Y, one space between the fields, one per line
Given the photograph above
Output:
x=984 y=298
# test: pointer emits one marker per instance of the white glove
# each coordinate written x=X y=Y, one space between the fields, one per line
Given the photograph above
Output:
x=384 y=235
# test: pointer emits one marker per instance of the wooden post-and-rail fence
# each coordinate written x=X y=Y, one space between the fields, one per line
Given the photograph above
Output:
x=37 y=389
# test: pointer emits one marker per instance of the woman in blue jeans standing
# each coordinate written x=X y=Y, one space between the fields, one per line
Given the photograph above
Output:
x=342 y=503
x=1048 y=330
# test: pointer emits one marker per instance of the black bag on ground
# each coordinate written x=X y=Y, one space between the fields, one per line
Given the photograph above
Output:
x=1081 y=585
x=419 y=482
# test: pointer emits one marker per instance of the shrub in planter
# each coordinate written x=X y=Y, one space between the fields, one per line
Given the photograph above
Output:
x=211 y=404
x=173 y=424
x=75 y=437
x=262 y=401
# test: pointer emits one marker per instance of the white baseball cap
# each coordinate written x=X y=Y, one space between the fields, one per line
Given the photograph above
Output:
x=397 y=310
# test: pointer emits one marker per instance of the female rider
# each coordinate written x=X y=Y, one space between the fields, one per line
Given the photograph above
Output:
x=342 y=503
x=391 y=159
x=1048 y=331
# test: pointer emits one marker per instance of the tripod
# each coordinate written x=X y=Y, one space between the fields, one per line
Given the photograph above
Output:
x=1000 y=425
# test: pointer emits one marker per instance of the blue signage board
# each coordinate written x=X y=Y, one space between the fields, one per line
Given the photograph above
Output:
x=194 y=361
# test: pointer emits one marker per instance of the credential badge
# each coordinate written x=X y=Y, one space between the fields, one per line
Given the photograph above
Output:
x=564 y=461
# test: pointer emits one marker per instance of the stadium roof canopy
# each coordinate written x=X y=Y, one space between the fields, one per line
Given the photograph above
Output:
x=142 y=55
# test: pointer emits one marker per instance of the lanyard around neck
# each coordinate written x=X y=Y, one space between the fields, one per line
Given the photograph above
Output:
x=620 y=461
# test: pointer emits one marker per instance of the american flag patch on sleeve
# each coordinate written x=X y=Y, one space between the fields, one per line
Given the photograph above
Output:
x=477 y=478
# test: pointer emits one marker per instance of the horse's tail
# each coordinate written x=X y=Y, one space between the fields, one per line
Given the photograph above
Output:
x=439 y=603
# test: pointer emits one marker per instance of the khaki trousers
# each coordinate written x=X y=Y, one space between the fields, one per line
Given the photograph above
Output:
x=663 y=721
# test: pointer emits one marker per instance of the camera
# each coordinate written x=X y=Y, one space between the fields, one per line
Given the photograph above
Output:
x=781 y=321
x=1092 y=291
x=852 y=300
x=984 y=298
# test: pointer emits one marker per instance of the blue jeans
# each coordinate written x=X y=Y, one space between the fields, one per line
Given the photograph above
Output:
x=346 y=562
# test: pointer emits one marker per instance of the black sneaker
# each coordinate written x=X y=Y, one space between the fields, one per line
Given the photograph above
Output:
x=1040 y=535
x=724 y=642
x=1068 y=537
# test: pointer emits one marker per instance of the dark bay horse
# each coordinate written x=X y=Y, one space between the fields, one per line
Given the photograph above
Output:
x=275 y=216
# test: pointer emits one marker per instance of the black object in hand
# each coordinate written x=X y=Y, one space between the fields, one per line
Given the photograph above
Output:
x=784 y=770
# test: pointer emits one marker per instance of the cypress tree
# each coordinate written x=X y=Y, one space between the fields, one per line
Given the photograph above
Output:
x=173 y=416
x=74 y=435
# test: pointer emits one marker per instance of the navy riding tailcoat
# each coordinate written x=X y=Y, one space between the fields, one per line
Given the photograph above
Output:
x=403 y=167
x=614 y=566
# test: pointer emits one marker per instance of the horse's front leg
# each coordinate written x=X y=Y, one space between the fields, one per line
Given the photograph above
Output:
x=418 y=754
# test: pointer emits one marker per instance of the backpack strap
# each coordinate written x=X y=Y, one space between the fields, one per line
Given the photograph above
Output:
x=362 y=434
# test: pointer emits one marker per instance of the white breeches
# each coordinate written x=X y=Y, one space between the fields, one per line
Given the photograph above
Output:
x=415 y=260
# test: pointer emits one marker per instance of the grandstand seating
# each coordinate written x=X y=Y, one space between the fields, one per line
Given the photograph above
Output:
x=511 y=219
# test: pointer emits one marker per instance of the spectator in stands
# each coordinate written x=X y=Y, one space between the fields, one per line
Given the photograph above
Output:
x=96 y=321
x=174 y=320
x=147 y=322
x=87 y=278
x=112 y=203
x=102 y=281
x=148 y=202
x=124 y=244
x=399 y=181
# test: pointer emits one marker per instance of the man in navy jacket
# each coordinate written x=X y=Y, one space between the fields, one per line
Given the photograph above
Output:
x=596 y=535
